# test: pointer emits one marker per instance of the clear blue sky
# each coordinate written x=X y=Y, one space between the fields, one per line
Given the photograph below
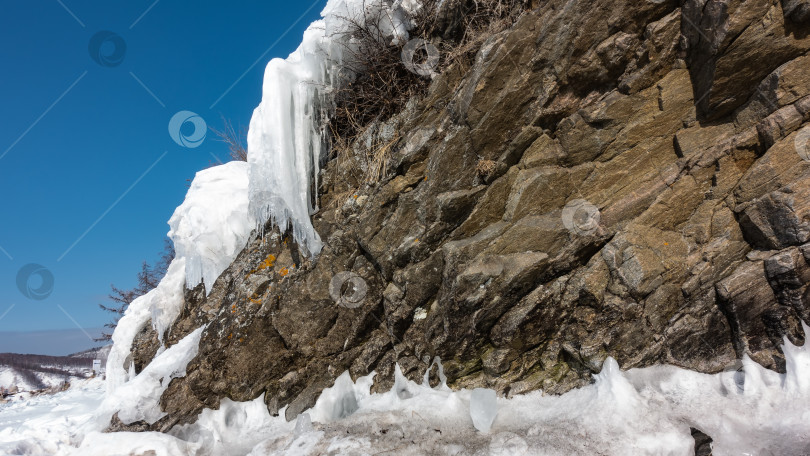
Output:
x=65 y=163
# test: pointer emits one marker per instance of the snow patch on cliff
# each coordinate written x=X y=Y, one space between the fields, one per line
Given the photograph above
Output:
x=211 y=226
x=139 y=398
x=163 y=303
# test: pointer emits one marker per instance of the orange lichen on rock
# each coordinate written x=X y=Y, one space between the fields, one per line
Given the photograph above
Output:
x=283 y=272
x=268 y=262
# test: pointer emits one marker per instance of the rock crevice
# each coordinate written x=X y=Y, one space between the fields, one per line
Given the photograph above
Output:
x=607 y=178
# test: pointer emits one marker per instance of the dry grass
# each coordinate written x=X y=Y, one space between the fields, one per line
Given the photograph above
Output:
x=235 y=141
x=381 y=84
x=485 y=168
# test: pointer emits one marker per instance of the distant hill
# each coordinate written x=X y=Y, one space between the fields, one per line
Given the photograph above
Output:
x=93 y=353
x=27 y=372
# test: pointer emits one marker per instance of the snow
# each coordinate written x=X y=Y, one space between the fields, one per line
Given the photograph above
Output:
x=211 y=226
x=139 y=398
x=49 y=424
x=645 y=411
x=286 y=139
x=208 y=229
x=10 y=377
x=162 y=304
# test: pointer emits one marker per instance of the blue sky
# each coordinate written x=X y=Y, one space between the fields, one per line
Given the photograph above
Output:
x=77 y=136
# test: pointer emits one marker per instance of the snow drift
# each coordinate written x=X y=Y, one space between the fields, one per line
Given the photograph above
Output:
x=645 y=411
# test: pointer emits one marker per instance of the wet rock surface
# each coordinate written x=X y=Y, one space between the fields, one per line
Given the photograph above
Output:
x=649 y=201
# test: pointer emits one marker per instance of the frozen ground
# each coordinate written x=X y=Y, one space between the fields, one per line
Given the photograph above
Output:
x=49 y=424
x=639 y=412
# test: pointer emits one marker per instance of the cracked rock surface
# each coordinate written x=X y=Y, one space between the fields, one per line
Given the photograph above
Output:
x=648 y=201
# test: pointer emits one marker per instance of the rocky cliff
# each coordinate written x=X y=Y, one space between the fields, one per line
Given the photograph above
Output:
x=622 y=178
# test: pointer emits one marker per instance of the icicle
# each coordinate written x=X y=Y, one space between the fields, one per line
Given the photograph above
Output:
x=286 y=138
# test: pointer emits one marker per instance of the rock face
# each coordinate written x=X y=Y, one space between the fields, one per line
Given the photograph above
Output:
x=621 y=178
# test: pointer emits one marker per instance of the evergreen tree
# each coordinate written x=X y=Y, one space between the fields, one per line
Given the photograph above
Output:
x=148 y=278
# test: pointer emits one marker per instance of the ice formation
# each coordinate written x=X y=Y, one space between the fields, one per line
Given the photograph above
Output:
x=337 y=402
x=286 y=139
x=645 y=411
x=163 y=303
x=208 y=229
x=483 y=408
x=139 y=398
x=211 y=226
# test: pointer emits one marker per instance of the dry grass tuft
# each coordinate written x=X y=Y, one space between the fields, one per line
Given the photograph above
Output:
x=381 y=84
x=235 y=141
x=485 y=168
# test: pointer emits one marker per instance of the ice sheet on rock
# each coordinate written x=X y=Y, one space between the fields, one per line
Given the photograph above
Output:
x=139 y=398
x=135 y=443
x=286 y=139
x=336 y=402
x=162 y=303
x=211 y=226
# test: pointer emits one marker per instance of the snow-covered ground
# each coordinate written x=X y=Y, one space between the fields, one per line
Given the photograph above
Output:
x=11 y=378
x=26 y=373
x=49 y=424
x=17 y=381
x=639 y=412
